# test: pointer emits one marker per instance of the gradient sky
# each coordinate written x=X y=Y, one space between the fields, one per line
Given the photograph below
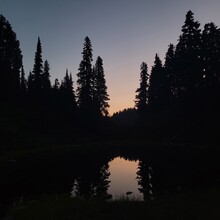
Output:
x=123 y=32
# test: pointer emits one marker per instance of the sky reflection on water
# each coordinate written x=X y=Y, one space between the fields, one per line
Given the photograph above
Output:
x=123 y=177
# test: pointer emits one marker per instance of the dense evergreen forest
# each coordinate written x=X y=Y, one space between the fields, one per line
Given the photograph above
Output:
x=37 y=105
x=181 y=99
x=177 y=102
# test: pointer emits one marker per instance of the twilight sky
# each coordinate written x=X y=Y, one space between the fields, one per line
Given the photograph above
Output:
x=123 y=32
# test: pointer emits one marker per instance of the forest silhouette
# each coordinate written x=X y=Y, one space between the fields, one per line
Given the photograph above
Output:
x=57 y=137
x=177 y=102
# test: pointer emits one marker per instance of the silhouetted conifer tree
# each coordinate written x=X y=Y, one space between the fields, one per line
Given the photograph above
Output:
x=84 y=82
x=141 y=99
x=38 y=70
x=145 y=180
x=46 y=84
x=102 y=185
x=188 y=59
x=100 y=95
x=169 y=79
x=68 y=92
x=156 y=85
x=10 y=61
x=23 y=83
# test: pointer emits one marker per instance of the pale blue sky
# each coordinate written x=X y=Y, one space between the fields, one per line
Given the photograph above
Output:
x=123 y=32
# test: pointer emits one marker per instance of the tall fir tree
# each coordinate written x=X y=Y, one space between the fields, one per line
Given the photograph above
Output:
x=141 y=99
x=100 y=95
x=169 y=78
x=102 y=182
x=10 y=61
x=145 y=180
x=85 y=77
x=188 y=59
x=38 y=69
x=46 y=84
x=156 y=84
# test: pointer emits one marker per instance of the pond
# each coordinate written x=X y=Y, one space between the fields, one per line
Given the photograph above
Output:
x=107 y=176
x=115 y=180
x=119 y=179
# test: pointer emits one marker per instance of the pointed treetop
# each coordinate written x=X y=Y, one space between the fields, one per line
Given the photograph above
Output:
x=39 y=47
x=67 y=72
x=87 y=38
x=189 y=18
x=144 y=66
x=87 y=50
x=157 y=61
x=141 y=98
x=38 y=65
x=2 y=18
x=189 y=14
x=190 y=22
x=38 y=42
x=169 y=55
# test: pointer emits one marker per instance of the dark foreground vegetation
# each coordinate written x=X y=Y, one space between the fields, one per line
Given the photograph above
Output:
x=196 y=205
x=47 y=127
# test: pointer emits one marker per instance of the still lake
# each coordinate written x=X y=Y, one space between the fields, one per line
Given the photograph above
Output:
x=116 y=180
x=143 y=176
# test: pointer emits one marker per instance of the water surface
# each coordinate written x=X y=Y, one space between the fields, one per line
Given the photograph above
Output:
x=101 y=174
x=123 y=177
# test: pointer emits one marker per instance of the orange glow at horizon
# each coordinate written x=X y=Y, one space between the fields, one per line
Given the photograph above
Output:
x=121 y=87
x=119 y=106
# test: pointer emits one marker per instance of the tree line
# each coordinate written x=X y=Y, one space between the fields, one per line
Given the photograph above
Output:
x=57 y=103
x=185 y=90
x=180 y=96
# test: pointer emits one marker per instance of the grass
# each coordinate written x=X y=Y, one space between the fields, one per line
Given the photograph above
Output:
x=194 y=205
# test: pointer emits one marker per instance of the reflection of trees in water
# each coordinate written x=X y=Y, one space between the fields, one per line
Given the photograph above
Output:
x=83 y=187
x=103 y=181
x=93 y=183
x=145 y=180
